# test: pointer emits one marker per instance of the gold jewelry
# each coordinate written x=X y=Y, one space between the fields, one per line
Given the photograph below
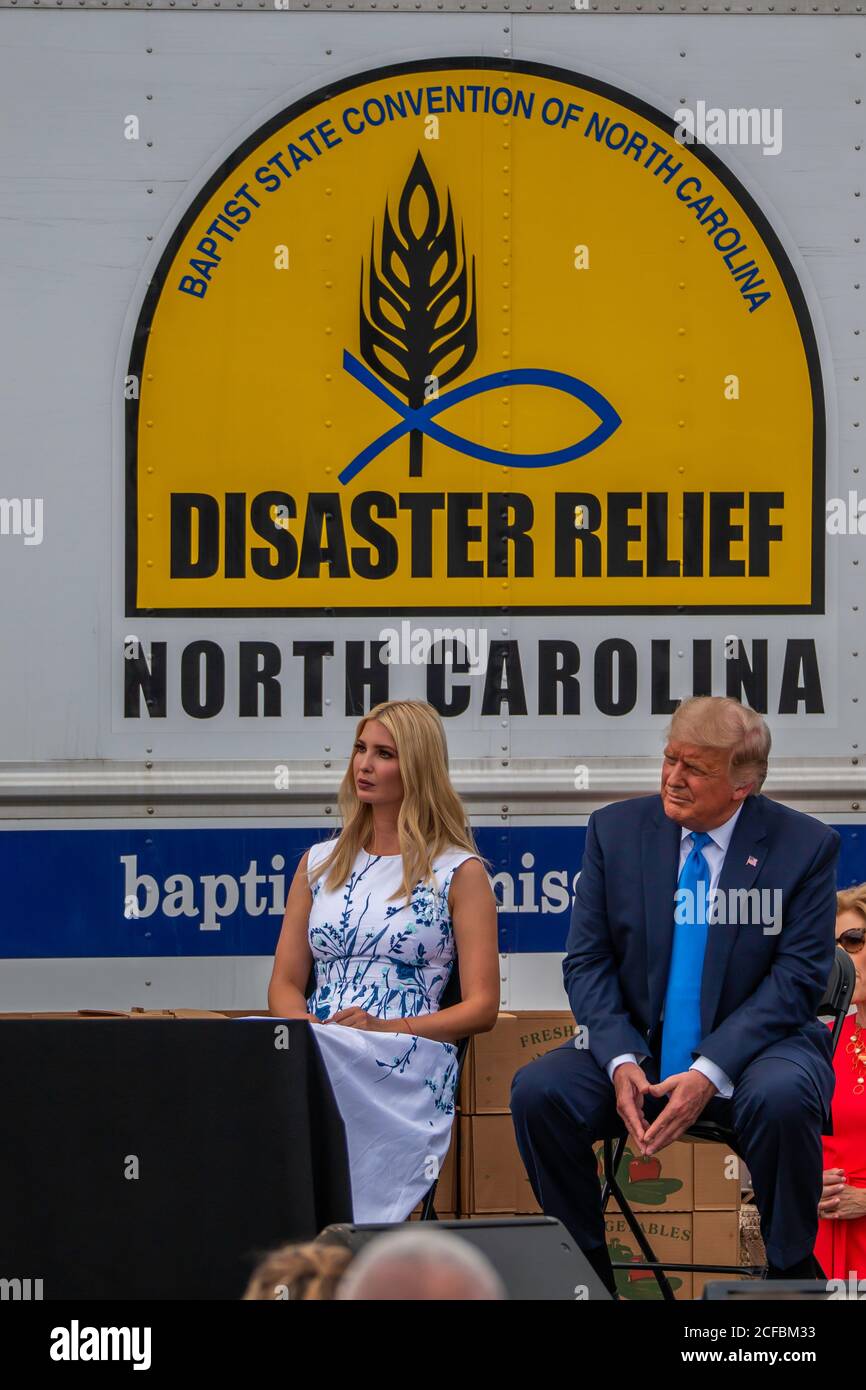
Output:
x=857 y=1049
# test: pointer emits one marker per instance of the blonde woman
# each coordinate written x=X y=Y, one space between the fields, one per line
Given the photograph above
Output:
x=381 y=911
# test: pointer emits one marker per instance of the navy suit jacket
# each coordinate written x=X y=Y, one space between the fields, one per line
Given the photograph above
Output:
x=759 y=990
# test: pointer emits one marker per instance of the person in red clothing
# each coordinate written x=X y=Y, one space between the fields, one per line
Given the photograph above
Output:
x=841 y=1245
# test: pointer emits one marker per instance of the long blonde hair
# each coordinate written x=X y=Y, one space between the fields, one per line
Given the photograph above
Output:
x=432 y=817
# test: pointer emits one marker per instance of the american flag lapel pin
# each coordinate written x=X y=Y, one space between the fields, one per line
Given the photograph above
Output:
x=752 y=862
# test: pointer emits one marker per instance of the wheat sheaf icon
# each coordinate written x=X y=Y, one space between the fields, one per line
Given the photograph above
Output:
x=419 y=315
x=418 y=333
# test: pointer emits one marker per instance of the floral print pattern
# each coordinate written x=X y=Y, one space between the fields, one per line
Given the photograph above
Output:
x=393 y=961
x=395 y=1090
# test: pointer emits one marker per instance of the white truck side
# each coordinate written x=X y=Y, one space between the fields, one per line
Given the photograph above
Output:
x=511 y=358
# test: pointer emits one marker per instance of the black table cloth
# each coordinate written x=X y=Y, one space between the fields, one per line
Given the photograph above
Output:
x=160 y=1158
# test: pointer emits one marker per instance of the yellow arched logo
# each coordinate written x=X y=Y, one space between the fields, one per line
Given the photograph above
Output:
x=456 y=336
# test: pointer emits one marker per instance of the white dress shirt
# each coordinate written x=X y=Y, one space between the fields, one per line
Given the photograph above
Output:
x=714 y=853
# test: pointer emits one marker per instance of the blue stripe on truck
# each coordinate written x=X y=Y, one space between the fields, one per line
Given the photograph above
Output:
x=221 y=892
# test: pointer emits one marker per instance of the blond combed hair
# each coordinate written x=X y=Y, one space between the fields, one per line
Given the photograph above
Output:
x=304 y=1272
x=431 y=818
x=852 y=900
x=716 y=721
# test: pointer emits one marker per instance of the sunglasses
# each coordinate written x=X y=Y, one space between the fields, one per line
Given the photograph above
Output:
x=852 y=940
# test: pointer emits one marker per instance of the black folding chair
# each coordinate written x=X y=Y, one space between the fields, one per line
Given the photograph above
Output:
x=835 y=1004
x=450 y=996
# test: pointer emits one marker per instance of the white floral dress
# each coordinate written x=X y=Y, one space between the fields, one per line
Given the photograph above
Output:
x=395 y=1091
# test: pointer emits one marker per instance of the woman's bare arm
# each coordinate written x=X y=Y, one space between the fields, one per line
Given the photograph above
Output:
x=473 y=918
x=293 y=958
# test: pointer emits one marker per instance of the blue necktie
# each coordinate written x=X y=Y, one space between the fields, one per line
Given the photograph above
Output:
x=681 y=1030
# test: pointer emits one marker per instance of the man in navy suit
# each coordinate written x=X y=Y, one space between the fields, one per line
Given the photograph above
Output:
x=679 y=1015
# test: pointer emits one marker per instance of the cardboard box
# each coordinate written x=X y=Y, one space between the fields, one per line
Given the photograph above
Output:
x=445 y=1198
x=701 y=1237
x=174 y=1013
x=717 y=1178
x=493 y=1058
x=493 y=1179
x=83 y=1013
x=671 y=1236
x=716 y=1242
x=686 y=1176
x=663 y=1182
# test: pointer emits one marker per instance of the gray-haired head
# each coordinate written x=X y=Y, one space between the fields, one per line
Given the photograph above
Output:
x=412 y=1265
x=716 y=721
